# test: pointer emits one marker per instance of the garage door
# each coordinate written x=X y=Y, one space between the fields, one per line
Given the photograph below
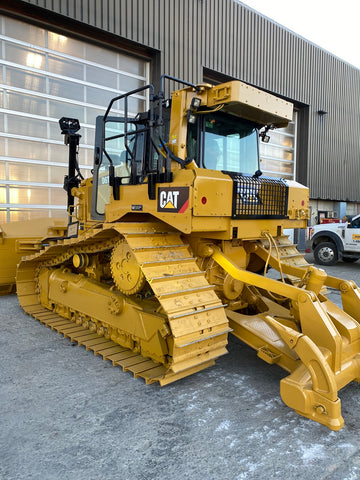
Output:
x=277 y=158
x=45 y=76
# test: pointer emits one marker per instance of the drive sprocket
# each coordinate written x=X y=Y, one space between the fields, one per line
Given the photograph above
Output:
x=125 y=270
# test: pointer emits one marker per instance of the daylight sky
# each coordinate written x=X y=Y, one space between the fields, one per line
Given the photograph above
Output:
x=330 y=24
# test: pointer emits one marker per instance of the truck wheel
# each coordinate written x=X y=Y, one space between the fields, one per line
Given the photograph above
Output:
x=350 y=259
x=326 y=254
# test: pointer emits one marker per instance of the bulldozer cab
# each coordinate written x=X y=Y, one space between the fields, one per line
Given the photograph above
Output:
x=145 y=149
x=217 y=141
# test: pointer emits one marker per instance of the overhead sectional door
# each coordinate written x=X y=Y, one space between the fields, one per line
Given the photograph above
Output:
x=45 y=76
x=277 y=158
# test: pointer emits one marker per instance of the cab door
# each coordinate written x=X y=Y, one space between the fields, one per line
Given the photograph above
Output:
x=352 y=235
x=115 y=150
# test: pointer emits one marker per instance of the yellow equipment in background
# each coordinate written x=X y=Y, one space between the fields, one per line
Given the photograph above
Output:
x=167 y=243
x=23 y=238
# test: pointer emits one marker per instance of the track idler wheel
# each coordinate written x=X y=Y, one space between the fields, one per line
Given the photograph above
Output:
x=125 y=270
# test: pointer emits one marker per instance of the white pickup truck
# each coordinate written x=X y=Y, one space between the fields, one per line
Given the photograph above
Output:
x=331 y=242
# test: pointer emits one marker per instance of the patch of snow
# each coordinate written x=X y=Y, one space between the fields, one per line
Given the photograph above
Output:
x=225 y=425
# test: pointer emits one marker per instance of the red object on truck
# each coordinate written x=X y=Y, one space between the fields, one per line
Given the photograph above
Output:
x=330 y=220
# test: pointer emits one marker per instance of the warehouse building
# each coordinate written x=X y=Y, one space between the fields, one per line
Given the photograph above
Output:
x=67 y=58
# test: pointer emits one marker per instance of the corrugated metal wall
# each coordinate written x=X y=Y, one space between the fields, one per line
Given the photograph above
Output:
x=226 y=36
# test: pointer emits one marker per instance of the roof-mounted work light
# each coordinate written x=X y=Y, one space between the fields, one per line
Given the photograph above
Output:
x=194 y=105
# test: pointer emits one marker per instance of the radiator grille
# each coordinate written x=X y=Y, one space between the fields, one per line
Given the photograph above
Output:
x=263 y=197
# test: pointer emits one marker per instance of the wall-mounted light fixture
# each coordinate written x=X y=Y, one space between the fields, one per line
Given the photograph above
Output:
x=321 y=112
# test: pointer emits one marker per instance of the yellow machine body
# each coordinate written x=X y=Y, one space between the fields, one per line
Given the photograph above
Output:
x=174 y=260
x=18 y=239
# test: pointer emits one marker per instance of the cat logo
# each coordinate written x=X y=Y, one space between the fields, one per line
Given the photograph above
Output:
x=174 y=200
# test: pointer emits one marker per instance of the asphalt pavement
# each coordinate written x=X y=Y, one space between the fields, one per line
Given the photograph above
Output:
x=66 y=414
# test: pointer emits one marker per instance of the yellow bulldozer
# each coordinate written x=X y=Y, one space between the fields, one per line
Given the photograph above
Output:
x=168 y=245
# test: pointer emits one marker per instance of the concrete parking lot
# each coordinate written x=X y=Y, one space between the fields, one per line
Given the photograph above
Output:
x=66 y=414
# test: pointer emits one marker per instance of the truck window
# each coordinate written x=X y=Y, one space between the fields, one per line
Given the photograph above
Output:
x=354 y=223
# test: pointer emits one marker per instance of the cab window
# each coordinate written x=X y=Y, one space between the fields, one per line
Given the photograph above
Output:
x=224 y=142
x=120 y=158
